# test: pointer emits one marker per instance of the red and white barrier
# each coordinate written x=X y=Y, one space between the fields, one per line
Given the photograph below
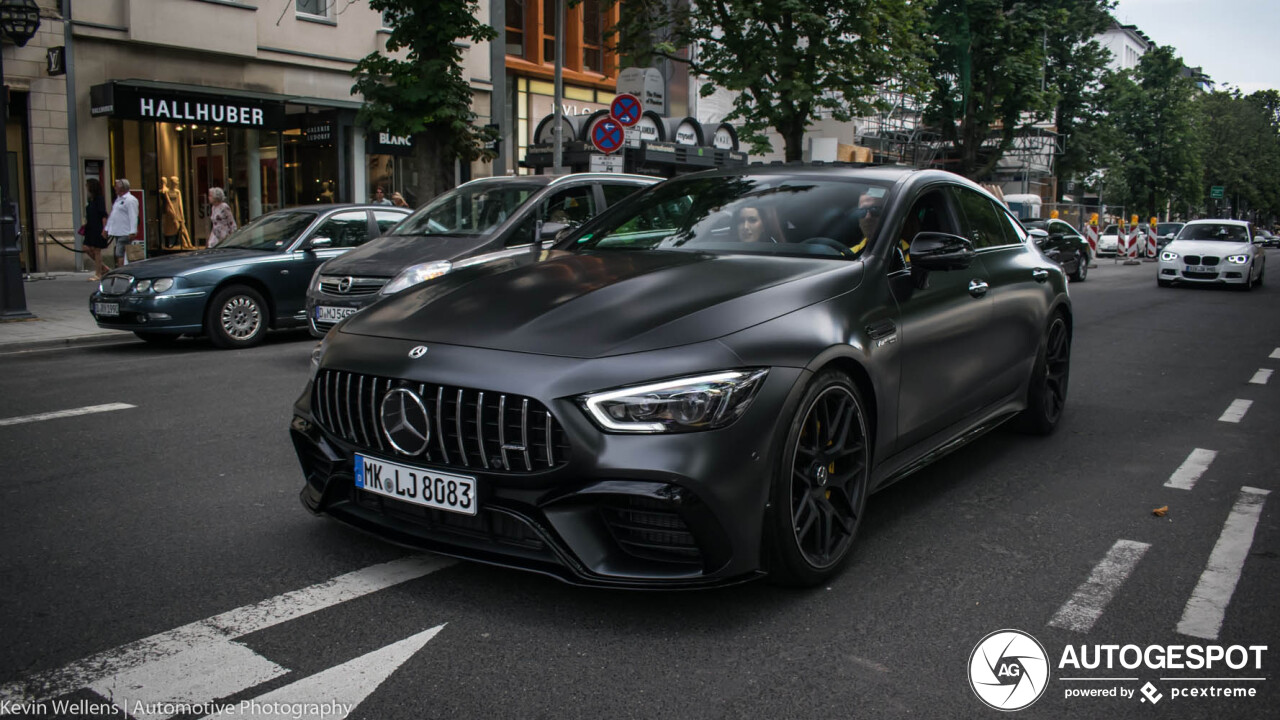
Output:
x=1091 y=234
x=1151 y=242
x=1135 y=235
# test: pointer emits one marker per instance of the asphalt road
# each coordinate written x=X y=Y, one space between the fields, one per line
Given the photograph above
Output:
x=128 y=524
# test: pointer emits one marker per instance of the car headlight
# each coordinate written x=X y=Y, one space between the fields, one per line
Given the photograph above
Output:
x=1168 y=256
x=142 y=286
x=705 y=402
x=415 y=274
x=1238 y=259
x=161 y=284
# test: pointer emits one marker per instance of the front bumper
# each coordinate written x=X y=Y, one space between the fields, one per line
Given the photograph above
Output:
x=1224 y=273
x=315 y=300
x=172 y=313
x=625 y=511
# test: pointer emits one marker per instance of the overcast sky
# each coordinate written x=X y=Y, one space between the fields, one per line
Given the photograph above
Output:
x=1237 y=42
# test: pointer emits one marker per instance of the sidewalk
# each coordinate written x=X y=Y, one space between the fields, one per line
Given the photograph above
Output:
x=61 y=306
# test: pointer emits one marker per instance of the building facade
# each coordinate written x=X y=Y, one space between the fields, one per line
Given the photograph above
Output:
x=179 y=96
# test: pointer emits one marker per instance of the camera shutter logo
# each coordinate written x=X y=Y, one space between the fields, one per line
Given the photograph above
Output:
x=405 y=422
x=1009 y=670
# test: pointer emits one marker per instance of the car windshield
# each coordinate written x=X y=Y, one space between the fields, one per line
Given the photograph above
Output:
x=273 y=231
x=1214 y=231
x=1166 y=228
x=473 y=209
x=732 y=215
x=1111 y=230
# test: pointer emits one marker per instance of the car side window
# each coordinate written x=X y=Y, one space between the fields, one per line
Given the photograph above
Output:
x=615 y=193
x=981 y=221
x=1015 y=234
x=345 y=229
x=387 y=220
x=929 y=213
x=570 y=206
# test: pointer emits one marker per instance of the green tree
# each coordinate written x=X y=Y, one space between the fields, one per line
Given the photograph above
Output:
x=989 y=76
x=791 y=61
x=423 y=92
x=1074 y=63
x=1239 y=141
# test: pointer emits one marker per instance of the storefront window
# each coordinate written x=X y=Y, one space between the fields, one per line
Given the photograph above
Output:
x=310 y=159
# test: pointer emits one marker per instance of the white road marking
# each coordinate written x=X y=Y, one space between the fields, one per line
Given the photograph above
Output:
x=1261 y=377
x=1185 y=477
x=1085 y=606
x=335 y=692
x=218 y=629
x=1235 y=413
x=199 y=675
x=65 y=413
x=1275 y=354
x=1207 y=607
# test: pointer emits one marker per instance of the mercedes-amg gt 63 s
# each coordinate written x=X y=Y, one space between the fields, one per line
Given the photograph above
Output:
x=700 y=386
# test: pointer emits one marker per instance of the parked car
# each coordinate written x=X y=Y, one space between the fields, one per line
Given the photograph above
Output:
x=1061 y=243
x=699 y=386
x=1167 y=231
x=1269 y=239
x=1109 y=241
x=481 y=221
x=1221 y=252
x=254 y=280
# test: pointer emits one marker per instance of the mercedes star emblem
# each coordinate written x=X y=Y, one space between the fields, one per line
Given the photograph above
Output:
x=405 y=422
x=418 y=352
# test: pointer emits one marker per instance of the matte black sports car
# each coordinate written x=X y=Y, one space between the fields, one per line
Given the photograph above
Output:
x=699 y=386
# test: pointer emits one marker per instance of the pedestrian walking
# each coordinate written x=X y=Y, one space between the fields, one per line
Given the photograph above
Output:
x=122 y=223
x=398 y=200
x=222 y=221
x=95 y=216
x=380 y=196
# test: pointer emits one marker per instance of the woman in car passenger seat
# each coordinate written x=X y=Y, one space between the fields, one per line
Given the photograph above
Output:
x=755 y=224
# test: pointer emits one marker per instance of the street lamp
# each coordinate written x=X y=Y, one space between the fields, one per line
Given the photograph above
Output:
x=19 y=20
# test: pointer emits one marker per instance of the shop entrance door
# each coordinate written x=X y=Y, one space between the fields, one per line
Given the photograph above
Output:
x=208 y=170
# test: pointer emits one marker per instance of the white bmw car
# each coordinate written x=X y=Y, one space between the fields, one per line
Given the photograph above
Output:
x=1216 y=252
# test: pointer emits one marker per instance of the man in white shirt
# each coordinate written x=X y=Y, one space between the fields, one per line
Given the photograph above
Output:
x=122 y=223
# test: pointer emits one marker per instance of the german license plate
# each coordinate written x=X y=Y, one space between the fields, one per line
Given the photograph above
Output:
x=429 y=488
x=106 y=309
x=1201 y=269
x=328 y=313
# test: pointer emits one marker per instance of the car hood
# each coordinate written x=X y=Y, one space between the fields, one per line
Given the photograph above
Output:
x=1217 y=248
x=608 y=303
x=389 y=254
x=186 y=263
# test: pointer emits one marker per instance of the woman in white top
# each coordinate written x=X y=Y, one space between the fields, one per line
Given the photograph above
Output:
x=222 y=221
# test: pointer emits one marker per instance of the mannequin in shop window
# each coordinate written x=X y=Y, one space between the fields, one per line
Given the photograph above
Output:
x=174 y=216
x=327 y=195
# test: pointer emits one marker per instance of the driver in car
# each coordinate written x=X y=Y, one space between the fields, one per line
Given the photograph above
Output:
x=870 y=208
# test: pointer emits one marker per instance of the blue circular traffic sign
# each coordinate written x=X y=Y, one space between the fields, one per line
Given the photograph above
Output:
x=626 y=109
x=607 y=136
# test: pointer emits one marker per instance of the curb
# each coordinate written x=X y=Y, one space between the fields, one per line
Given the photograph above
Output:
x=67 y=342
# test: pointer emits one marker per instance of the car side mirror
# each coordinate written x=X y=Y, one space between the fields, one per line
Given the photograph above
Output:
x=1037 y=235
x=316 y=243
x=941 y=251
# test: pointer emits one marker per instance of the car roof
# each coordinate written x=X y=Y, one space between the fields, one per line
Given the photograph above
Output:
x=326 y=207
x=558 y=179
x=1217 y=221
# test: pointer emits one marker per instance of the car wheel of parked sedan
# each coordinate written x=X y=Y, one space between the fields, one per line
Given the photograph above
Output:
x=236 y=318
x=157 y=338
x=820 y=489
x=1047 y=392
x=1082 y=267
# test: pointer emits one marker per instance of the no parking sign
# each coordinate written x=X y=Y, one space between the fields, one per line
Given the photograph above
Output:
x=626 y=109
x=607 y=136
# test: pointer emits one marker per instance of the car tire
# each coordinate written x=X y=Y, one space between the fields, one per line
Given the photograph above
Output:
x=819 y=493
x=1082 y=267
x=1047 y=391
x=157 y=338
x=236 y=317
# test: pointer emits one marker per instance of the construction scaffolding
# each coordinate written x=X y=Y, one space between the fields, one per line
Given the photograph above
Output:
x=896 y=135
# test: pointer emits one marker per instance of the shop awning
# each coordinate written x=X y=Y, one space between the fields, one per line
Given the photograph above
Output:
x=200 y=105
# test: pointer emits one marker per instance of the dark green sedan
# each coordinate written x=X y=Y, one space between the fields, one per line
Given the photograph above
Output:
x=254 y=280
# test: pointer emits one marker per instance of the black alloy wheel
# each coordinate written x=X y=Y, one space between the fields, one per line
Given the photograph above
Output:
x=821 y=489
x=1047 y=391
x=236 y=318
x=1082 y=267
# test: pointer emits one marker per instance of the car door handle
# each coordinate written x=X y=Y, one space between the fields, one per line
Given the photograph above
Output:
x=1039 y=275
x=978 y=288
x=882 y=329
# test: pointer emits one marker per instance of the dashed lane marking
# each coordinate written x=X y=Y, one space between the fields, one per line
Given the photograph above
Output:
x=1185 y=477
x=212 y=635
x=1086 y=604
x=1207 y=607
x=1235 y=413
x=1275 y=354
x=91 y=409
x=1261 y=377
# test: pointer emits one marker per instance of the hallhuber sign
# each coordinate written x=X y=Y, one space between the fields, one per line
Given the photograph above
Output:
x=131 y=102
